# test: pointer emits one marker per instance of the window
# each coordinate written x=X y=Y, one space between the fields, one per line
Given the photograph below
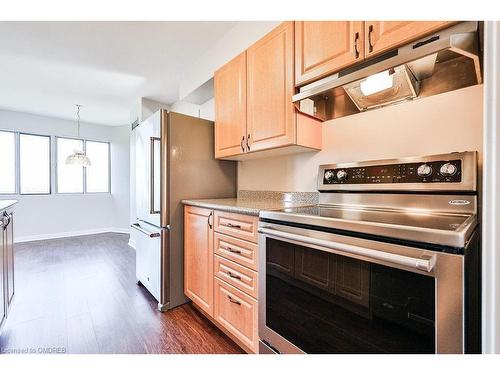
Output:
x=8 y=175
x=76 y=179
x=97 y=180
x=34 y=164
x=69 y=177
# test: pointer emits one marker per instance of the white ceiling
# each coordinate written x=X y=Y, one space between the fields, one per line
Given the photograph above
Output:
x=47 y=67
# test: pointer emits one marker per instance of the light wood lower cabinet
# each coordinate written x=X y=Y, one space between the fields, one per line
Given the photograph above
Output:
x=238 y=276
x=6 y=262
x=240 y=226
x=239 y=251
x=221 y=273
x=199 y=257
x=237 y=312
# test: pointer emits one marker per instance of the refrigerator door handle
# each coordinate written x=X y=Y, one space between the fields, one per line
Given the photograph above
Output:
x=138 y=227
x=154 y=204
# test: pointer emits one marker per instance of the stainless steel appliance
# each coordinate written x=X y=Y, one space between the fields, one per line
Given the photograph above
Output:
x=444 y=61
x=174 y=160
x=388 y=262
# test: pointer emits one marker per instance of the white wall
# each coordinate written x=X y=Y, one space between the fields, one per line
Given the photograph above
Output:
x=46 y=216
x=239 y=38
x=438 y=124
x=205 y=111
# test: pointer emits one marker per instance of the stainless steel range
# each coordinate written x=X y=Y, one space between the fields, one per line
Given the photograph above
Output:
x=387 y=262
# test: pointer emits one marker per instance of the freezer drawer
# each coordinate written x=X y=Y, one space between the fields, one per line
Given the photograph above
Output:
x=148 y=257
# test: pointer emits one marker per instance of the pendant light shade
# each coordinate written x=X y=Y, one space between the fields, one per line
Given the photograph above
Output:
x=78 y=157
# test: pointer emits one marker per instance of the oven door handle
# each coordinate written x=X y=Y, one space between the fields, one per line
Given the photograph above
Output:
x=424 y=264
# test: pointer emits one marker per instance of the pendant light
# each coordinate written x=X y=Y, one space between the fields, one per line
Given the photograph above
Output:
x=78 y=157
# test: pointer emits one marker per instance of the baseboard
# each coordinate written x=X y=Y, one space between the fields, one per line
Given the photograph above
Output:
x=49 y=236
x=131 y=243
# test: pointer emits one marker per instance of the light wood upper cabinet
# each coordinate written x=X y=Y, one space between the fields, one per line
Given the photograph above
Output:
x=381 y=36
x=230 y=107
x=324 y=47
x=271 y=116
x=199 y=257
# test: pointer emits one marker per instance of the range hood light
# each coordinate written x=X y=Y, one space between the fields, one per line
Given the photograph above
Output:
x=376 y=83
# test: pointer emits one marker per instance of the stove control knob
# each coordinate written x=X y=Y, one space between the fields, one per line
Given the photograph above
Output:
x=329 y=176
x=341 y=175
x=424 y=170
x=448 y=170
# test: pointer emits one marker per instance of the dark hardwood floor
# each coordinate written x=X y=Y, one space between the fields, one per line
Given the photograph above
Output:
x=79 y=295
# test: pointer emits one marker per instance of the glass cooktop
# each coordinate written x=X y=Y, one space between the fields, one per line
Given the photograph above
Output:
x=412 y=225
x=409 y=218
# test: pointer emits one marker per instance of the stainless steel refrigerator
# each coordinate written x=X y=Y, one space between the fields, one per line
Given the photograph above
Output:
x=174 y=160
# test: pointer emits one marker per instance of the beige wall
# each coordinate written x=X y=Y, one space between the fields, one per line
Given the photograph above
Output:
x=438 y=124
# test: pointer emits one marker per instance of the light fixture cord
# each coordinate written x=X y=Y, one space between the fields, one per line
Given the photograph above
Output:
x=78 y=118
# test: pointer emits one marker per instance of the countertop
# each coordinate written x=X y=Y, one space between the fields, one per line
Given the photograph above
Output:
x=251 y=203
x=6 y=204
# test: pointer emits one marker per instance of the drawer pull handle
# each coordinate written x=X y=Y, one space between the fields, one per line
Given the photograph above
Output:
x=231 y=250
x=232 y=300
x=230 y=274
x=230 y=225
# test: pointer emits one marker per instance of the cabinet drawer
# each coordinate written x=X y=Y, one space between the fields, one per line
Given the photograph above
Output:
x=238 y=276
x=236 y=312
x=239 y=251
x=237 y=225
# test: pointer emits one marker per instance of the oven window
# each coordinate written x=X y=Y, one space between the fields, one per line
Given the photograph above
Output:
x=326 y=303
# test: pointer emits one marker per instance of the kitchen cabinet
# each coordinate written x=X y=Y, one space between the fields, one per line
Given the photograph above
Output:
x=231 y=107
x=239 y=251
x=6 y=262
x=223 y=283
x=324 y=47
x=3 y=273
x=199 y=257
x=9 y=257
x=381 y=36
x=244 y=227
x=236 y=275
x=237 y=313
x=271 y=115
x=262 y=105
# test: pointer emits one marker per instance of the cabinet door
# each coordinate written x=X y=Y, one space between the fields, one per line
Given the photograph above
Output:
x=199 y=257
x=237 y=313
x=352 y=280
x=3 y=300
x=324 y=47
x=270 y=112
x=9 y=258
x=230 y=107
x=381 y=36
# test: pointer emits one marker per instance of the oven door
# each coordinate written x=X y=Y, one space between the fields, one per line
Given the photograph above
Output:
x=327 y=293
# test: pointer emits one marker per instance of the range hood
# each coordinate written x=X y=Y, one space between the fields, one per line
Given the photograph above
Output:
x=441 y=62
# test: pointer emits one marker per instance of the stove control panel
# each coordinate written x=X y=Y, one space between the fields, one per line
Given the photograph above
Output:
x=433 y=171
